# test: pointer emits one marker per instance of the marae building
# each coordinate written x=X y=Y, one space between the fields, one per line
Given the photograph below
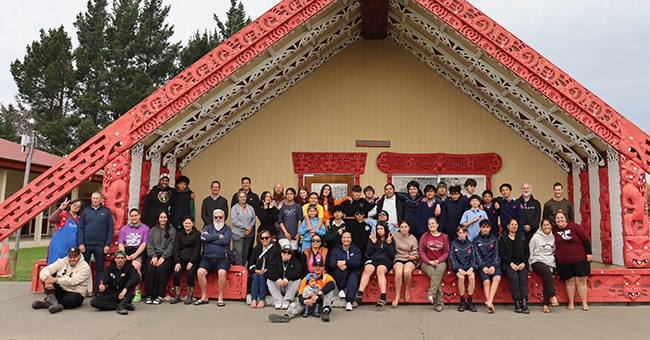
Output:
x=437 y=88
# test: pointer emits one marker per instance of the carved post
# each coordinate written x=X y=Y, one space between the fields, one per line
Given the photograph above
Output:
x=137 y=155
x=116 y=191
x=605 y=216
x=635 y=214
x=594 y=207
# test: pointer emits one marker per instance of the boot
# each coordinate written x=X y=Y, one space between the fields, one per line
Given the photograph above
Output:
x=55 y=306
x=307 y=310
x=518 y=307
x=189 y=298
x=524 y=306
x=41 y=304
x=121 y=308
x=177 y=295
x=462 y=306
x=325 y=316
x=316 y=313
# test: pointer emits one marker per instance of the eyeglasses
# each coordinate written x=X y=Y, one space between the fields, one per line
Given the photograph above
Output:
x=315 y=241
x=218 y=217
x=264 y=238
x=383 y=214
x=358 y=214
x=287 y=253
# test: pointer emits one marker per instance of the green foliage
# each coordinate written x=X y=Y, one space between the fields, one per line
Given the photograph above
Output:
x=236 y=20
x=25 y=263
x=8 y=116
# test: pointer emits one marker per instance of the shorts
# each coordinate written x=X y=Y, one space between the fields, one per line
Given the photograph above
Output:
x=132 y=250
x=377 y=263
x=580 y=269
x=406 y=261
x=212 y=264
x=482 y=276
x=293 y=243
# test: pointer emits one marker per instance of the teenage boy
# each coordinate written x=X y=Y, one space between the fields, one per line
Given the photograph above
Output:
x=411 y=198
x=441 y=196
x=462 y=257
x=509 y=208
x=558 y=204
x=371 y=198
x=332 y=237
x=182 y=202
x=451 y=207
x=359 y=229
x=491 y=208
x=489 y=262
x=350 y=206
x=426 y=210
x=463 y=204
x=472 y=217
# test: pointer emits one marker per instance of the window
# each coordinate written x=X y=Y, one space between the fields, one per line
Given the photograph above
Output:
x=400 y=181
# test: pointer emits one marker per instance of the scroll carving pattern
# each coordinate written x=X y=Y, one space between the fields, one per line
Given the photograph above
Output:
x=116 y=191
x=585 y=201
x=635 y=214
x=329 y=163
x=605 y=216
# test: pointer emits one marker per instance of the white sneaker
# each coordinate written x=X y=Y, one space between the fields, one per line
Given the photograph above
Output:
x=278 y=306
x=341 y=294
x=285 y=305
x=348 y=306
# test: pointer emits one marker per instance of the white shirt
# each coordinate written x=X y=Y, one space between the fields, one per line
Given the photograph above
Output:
x=390 y=205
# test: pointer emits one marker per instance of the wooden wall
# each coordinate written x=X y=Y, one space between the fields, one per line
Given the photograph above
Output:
x=374 y=90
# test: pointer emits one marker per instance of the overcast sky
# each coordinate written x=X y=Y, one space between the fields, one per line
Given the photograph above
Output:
x=600 y=43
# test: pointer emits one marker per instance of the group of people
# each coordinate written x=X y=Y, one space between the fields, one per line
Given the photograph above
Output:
x=310 y=245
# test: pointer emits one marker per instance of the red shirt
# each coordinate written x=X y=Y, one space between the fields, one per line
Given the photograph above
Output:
x=433 y=248
x=569 y=243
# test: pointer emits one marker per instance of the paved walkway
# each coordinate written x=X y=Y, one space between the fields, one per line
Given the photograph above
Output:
x=19 y=321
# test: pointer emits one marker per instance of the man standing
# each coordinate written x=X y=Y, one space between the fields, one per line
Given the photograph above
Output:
x=278 y=196
x=117 y=285
x=95 y=233
x=327 y=284
x=252 y=197
x=212 y=203
x=158 y=199
x=532 y=210
x=66 y=281
x=558 y=204
x=181 y=203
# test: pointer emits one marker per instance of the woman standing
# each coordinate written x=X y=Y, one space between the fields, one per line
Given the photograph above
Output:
x=542 y=260
x=345 y=264
x=316 y=251
x=434 y=251
x=267 y=214
x=187 y=254
x=133 y=240
x=65 y=234
x=303 y=196
x=160 y=247
x=573 y=251
x=380 y=253
x=514 y=253
x=406 y=255
x=263 y=254
x=243 y=229
x=326 y=199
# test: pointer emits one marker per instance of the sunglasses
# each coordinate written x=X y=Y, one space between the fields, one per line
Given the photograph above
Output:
x=383 y=214
x=315 y=241
x=218 y=217
x=359 y=214
x=264 y=238
x=287 y=252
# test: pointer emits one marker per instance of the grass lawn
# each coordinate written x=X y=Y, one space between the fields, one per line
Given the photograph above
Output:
x=26 y=259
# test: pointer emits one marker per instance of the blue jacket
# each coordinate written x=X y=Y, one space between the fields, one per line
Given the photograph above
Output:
x=422 y=215
x=493 y=216
x=213 y=246
x=487 y=251
x=352 y=257
x=462 y=255
x=463 y=206
x=376 y=252
x=95 y=227
x=509 y=210
x=452 y=222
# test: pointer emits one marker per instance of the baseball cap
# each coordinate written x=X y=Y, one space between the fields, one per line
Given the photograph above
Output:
x=74 y=251
x=319 y=262
x=164 y=176
x=120 y=252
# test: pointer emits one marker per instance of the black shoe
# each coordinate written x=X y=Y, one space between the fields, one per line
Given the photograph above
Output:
x=462 y=307
x=306 y=313
x=470 y=307
x=326 y=315
x=121 y=309
x=189 y=299
x=55 y=308
x=40 y=304
x=524 y=306
x=359 y=298
x=129 y=306
x=275 y=318
x=316 y=313
x=177 y=295
x=518 y=307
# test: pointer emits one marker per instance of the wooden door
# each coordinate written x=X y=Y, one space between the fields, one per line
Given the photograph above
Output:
x=341 y=184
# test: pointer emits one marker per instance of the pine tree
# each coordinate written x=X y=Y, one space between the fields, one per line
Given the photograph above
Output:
x=8 y=116
x=154 y=53
x=91 y=59
x=237 y=20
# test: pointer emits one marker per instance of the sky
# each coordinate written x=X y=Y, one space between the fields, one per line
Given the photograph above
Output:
x=597 y=42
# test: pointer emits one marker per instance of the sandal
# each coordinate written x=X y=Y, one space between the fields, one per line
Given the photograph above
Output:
x=546 y=309
x=380 y=303
x=262 y=304
x=201 y=302
x=554 y=302
x=220 y=303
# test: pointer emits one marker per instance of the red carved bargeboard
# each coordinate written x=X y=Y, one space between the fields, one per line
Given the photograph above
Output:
x=585 y=202
x=329 y=163
x=439 y=163
x=605 y=218
x=605 y=285
x=635 y=214
x=158 y=108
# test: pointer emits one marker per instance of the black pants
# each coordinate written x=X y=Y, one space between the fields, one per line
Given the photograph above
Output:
x=190 y=274
x=98 y=251
x=518 y=282
x=547 y=280
x=156 y=280
x=67 y=299
x=109 y=300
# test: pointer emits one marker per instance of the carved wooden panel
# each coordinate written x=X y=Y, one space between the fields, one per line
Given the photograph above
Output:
x=635 y=214
x=585 y=201
x=605 y=216
x=329 y=163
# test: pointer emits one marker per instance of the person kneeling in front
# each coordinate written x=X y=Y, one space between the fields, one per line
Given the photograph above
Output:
x=327 y=284
x=117 y=285
x=65 y=282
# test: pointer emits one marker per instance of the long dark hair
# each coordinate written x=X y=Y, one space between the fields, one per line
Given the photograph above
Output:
x=330 y=197
x=380 y=239
x=262 y=198
x=167 y=225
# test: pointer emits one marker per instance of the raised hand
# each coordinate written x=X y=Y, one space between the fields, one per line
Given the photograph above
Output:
x=64 y=204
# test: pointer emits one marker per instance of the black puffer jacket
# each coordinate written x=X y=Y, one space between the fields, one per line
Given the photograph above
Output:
x=513 y=251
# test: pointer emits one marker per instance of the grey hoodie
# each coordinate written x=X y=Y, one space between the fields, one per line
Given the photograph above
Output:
x=542 y=248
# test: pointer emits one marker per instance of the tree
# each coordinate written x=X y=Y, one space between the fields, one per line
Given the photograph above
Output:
x=91 y=58
x=8 y=115
x=45 y=81
x=201 y=44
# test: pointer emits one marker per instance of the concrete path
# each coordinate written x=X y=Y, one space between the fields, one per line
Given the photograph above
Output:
x=19 y=321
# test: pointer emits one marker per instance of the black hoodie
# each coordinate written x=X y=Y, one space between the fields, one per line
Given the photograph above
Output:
x=117 y=279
